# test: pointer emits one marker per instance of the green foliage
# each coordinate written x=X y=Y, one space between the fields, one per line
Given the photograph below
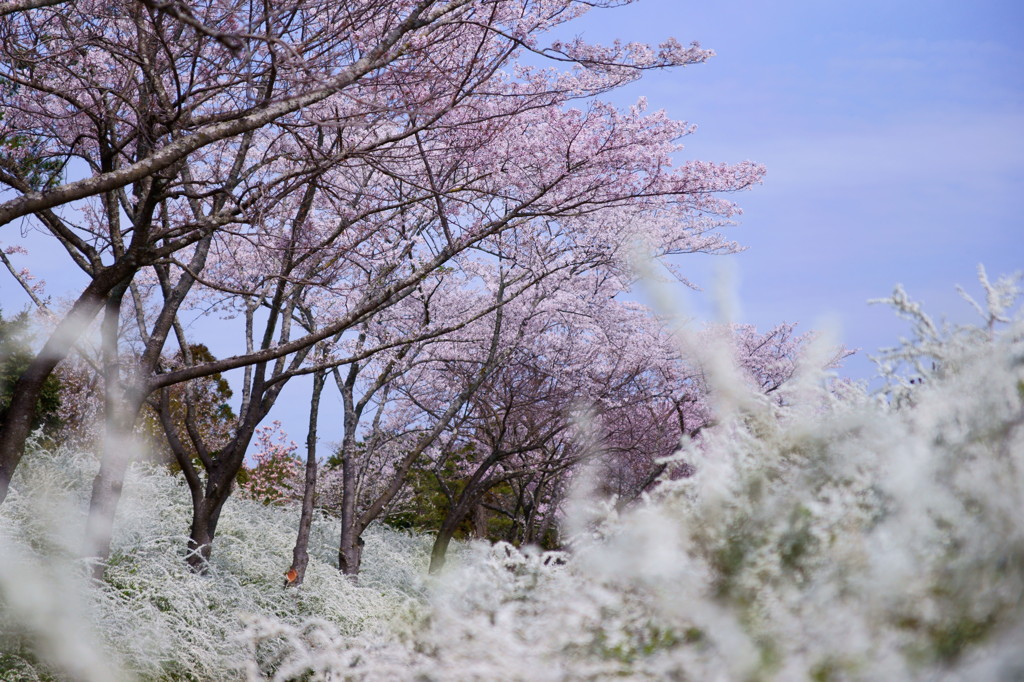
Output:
x=646 y=640
x=951 y=639
x=209 y=398
x=429 y=505
x=833 y=669
x=22 y=157
x=15 y=356
x=729 y=558
x=22 y=667
x=216 y=386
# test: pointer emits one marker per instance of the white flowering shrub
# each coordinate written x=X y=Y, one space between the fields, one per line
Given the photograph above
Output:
x=827 y=535
x=152 y=618
x=831 y=535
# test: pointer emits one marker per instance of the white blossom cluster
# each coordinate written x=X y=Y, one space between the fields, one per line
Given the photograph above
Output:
x=827 y=535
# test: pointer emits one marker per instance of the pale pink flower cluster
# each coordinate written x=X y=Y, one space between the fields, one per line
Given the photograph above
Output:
x=275 y=476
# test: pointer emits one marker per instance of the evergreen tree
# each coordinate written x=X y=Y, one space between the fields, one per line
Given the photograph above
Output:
x=15 y=354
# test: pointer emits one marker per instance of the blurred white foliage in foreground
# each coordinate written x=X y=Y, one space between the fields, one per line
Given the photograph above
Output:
x=840 y=536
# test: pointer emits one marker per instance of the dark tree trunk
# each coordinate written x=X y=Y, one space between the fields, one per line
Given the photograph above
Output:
x=208 y=497
x=532 y=509
x=476 y=487
x=520 y=516
x=350 y=557
x=457 y=512
x=480 y=522
x=540 y=535
x=444 y=537
x=206 y=502
x=220 y=479
x=18 y=420
x=350 y=546
x=221 y=467
x=300 y=555
x=205 y=515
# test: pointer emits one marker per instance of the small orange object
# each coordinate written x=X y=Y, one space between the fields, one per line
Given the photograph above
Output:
x=291 y=575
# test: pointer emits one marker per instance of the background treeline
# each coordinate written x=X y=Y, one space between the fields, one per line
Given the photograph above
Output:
x=501 y=466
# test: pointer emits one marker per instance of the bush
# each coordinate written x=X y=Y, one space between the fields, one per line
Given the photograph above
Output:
x=15 y=355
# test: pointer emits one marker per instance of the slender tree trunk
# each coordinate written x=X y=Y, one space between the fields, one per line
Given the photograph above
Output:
x=207 y=498
x=300 y=555
x=480 y=522
x=532 y=509
x=518 y=530
x=444 y=538
x=471 y=496
x=547 y=525
x=118 y=446
x=221 y=472
x=350 y=546
x=457 y=512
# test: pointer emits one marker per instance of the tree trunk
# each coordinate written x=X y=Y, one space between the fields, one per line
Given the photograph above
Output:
x=207 y=498
x=118 y=447
x=531 y=510
x=221 y=470
x=465 y=503
x=350 y=556
x=18 y=420
x=542 y=533
x=205 y=515
x=350 y=545
x=480 y=522
x=300 y=554
x=444 y=538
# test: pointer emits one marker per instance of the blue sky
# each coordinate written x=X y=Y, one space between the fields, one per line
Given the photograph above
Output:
x=893 y=134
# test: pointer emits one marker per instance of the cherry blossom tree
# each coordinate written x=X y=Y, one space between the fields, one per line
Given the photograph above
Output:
x=675 y=400
x=342 y=153
x=400 y=242
x=589 y=360
x=374 y=472
x=576 y=348
x=131 y=98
